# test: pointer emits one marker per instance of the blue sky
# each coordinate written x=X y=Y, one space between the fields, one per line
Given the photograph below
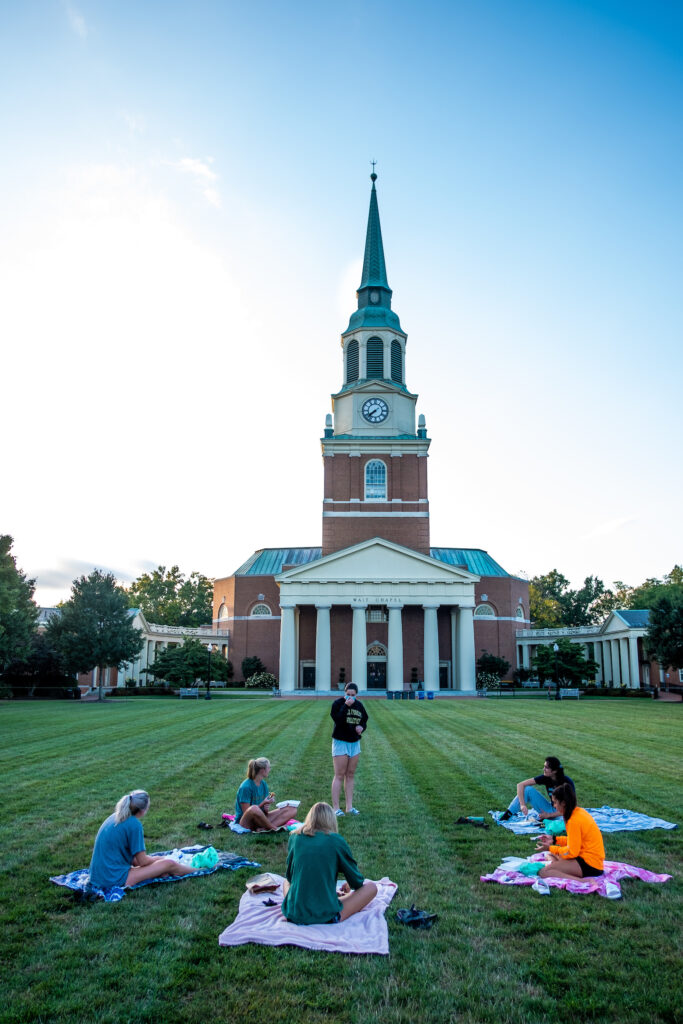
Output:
x=182 y=213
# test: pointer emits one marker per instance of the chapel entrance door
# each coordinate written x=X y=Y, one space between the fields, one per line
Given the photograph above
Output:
x=377 y=675
x=308 y=677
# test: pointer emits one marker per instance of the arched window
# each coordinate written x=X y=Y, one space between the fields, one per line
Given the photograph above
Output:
x=519 y=613
x=260 y=609
x=375 y=481
x=377 y=651
x=352 y=361
x=396 y=362
x=484 y=611
x=375 y=358
x=223 y=611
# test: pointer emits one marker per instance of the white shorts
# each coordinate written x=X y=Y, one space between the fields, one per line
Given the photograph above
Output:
x=341 y=748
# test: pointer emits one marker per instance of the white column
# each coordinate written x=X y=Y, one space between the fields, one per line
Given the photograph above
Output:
x=616 y=669
x=525 y=656
x=455 y=682
x=323 y=660
x=633 y=662
x=597 y=655
x=466 y=660
x=431 y=647
x=623 y=657
x=395 y=655
x=287 y=648
x=359 y=648
x=607 y=662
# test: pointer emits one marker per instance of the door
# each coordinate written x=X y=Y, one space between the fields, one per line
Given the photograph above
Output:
x=443 y=677
x=377 y=675
x=308 y=677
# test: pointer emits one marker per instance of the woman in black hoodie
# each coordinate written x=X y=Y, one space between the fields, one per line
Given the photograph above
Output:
x=350 y=722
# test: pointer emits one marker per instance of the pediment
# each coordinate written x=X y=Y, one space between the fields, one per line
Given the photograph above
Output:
x=377 y=561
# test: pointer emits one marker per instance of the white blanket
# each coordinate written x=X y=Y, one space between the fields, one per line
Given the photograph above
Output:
x=365 y=932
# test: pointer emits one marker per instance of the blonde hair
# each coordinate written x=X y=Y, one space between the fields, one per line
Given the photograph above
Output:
x=131 y=804
x=259 y=764
x=320 y=818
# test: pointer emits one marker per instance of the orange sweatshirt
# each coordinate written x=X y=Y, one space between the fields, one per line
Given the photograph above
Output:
x=583 y=839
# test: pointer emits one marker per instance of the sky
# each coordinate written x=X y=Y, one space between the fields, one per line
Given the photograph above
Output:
x=183 y=200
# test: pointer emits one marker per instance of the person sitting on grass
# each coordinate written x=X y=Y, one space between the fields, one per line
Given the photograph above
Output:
x=316 y=855
x=579 y=854
x=254 y=801
x=553 y=776
x=118 y=857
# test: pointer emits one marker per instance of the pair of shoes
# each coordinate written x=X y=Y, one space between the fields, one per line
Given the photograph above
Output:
x=416 y=918
x=478 y=823
x=339 y=812
x=203 y=824
x=353 y=810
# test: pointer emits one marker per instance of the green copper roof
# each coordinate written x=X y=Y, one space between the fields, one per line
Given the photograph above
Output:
x=374 y=268
x=374 y=316
x=269 y=561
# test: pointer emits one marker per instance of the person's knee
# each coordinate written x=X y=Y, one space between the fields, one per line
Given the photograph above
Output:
x=371 y=889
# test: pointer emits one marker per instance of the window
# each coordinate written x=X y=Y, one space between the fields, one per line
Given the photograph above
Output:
x=375 y=481
x=375 y=358
x=376 y=615
x=352 y=361
x=396 y=362
x=377 y=651
x=519 y=614
x=260 y=609
x=484 y=611
x=223 y=611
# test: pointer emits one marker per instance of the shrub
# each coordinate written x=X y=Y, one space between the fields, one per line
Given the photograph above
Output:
x=252 y=665
x=261 y=681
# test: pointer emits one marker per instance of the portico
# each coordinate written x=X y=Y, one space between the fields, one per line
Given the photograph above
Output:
x=379 y=574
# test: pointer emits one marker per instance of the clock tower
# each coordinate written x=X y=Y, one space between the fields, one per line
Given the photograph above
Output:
x=374 y=455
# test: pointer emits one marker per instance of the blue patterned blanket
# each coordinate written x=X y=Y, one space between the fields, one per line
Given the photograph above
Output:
x=79 y=881
x=608 y=819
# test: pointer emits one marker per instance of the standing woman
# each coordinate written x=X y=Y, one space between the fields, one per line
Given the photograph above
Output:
x=118 y=857
x=254 y=800
x=316 y=856
x=350 y=722
x=579 y=854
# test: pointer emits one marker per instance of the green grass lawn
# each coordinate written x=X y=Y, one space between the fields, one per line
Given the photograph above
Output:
x=496 y=954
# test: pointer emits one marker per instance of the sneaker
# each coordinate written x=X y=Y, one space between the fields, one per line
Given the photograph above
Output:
x=339 y=812
x=353 y=810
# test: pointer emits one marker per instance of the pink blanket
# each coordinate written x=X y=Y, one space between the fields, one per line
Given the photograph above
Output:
x=606 y=884
x=365 y=932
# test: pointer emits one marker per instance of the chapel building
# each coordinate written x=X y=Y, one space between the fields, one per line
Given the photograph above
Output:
x=375 y=603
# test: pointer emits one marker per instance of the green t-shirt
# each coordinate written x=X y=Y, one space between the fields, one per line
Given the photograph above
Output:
x=313 y=865
x=250 y=793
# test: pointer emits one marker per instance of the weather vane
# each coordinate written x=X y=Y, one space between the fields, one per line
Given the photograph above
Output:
x=373 y=176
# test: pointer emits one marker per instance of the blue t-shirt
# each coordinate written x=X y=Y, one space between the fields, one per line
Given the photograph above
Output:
x=115 y=847
x=250 y=793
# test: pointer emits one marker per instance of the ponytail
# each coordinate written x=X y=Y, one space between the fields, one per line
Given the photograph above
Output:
x=258 y=764
x=130 y=804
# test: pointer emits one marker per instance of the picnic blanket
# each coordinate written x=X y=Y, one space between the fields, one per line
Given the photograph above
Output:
x=240 y=830
x=364 y=932
x=607 y=884
x=608 y=819
x=79 y=881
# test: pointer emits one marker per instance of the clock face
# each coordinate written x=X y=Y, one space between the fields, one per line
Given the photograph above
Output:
x=375 y=410
x=374 y=296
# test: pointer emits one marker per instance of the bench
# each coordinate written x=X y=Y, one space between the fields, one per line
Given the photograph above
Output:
x=482 y=693
x=531 y=684
x=188 y=691
x=276 y=692
x=567 y=691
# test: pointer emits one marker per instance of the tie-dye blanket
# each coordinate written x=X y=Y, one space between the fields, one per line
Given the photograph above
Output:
x=79 y=881
x=608 y=819
x=607 y=884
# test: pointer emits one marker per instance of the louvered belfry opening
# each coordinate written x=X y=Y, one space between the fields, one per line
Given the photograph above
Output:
x=396 y=363
x=352 y=361
x=375 y=358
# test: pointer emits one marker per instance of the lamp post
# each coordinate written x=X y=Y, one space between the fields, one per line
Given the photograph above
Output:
x=208 y=680
x=556 y=649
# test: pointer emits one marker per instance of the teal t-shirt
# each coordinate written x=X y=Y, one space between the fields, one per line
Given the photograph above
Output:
x=250 y=793
x=115 y=847
x=313 y=865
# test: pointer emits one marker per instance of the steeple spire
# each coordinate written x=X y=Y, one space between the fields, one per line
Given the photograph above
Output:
x=374 y=267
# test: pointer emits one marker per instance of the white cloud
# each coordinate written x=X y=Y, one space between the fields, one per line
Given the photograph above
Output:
x=203 y=176
x=608 y=528
x=77 y=21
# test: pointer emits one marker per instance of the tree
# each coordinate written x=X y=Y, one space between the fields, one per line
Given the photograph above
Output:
x=665 y=631
x=554 y=604
x=490 y=669
x=188 y=662
x=251 y=665
x=168 y=598
x=568 y=667
x=40 y=673
x=94 y=627
x=18 y=612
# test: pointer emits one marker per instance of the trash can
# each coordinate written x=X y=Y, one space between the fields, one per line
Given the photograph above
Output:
x=390 y=695
x=404 y=695
x=430 y=695
x=420 y=695
x=411 y=694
